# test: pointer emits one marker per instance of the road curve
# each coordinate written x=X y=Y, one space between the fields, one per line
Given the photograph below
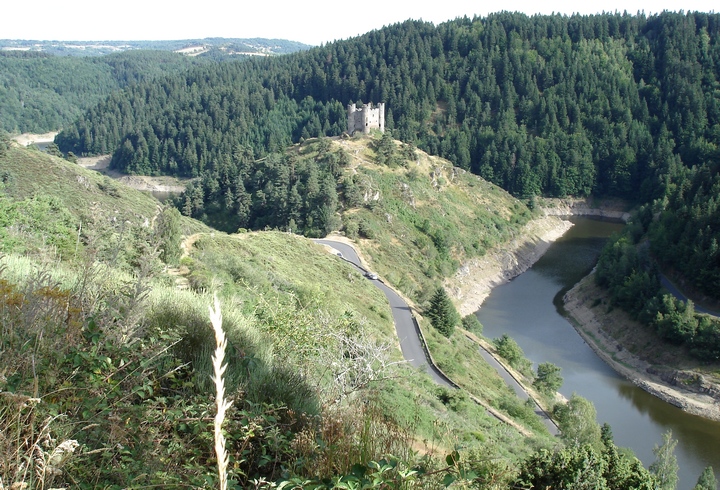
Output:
x=408 y=333
x=665 y=282
x=405 y=324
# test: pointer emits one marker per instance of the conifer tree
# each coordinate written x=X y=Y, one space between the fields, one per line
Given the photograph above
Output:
x=442 y=313
x=707 y=480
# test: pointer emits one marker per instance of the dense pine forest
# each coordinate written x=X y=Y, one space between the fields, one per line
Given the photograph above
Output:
x=40 y=92
x=606 y=105
x=549 y=105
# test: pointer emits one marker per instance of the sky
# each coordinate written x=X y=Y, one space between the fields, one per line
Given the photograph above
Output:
x=311 y=22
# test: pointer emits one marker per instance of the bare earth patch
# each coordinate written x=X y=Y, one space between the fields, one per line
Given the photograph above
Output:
x=101 y=164
x=27 y=139
x=635 y=353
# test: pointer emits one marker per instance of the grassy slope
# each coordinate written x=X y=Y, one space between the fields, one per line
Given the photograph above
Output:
x=281 y=290
x=406 y=209
x=27 y=173
x=423 y=218
x=262 y=267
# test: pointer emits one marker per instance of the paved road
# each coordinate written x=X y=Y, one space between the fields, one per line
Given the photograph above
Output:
x=665 y=282
x=405 y=326
x=519 y=390
x=409 y=335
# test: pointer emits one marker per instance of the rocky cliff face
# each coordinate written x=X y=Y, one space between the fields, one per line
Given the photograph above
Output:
x=473 y=281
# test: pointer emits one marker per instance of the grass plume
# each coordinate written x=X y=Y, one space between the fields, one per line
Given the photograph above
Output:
x=218 y=359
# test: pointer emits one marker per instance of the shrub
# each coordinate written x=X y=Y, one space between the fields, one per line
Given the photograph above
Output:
x=472 y=324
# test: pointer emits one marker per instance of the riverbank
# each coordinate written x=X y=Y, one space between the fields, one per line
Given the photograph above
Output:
x=618 y=340
x=601 y=208
x=27 y=139
x=474 y=280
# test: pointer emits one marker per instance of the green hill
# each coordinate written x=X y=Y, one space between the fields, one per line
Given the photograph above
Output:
x=95 y=329
x=105 y=372
x=42 y=92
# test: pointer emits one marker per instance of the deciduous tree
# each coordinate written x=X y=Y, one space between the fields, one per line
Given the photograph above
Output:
x=665 y=466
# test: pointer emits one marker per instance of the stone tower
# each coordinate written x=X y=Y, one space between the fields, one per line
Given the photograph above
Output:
x=366 y=118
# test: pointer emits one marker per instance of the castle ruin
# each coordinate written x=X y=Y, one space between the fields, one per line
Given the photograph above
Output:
x=366 y=118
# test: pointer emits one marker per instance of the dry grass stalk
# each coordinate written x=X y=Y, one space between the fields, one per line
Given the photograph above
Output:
x=222 y=404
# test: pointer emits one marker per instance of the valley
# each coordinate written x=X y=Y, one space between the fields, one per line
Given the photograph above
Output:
x=465 y=164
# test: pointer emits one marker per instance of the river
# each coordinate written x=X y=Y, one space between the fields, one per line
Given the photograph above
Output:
x=638 y=419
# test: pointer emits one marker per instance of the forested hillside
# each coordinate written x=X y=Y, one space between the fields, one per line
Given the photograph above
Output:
x=608 y=104
x=41 y=92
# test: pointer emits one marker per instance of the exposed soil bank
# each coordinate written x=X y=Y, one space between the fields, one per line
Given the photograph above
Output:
x=602 y=208
x=27 y=139
x=139 y=182
x=473 y=281
x=612 y=334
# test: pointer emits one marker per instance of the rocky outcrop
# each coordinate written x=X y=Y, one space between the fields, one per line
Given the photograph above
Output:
x=611 y=209
x=473 y=281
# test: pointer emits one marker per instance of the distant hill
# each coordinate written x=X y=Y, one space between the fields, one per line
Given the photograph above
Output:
x=228 y=46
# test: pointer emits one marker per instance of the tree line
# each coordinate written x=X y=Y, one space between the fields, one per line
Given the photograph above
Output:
x=628 y=270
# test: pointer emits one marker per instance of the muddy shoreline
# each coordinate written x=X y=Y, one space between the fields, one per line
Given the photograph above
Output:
x=687 y=389
x=474 y=280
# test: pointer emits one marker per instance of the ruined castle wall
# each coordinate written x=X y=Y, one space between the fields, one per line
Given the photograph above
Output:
x=366 y=118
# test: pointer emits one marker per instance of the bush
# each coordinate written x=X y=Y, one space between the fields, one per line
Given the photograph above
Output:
x=508 y=349
x=472 y=324
x=167 y=229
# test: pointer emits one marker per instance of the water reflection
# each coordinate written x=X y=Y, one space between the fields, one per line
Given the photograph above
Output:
x=163 y=196
x=525 y=310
